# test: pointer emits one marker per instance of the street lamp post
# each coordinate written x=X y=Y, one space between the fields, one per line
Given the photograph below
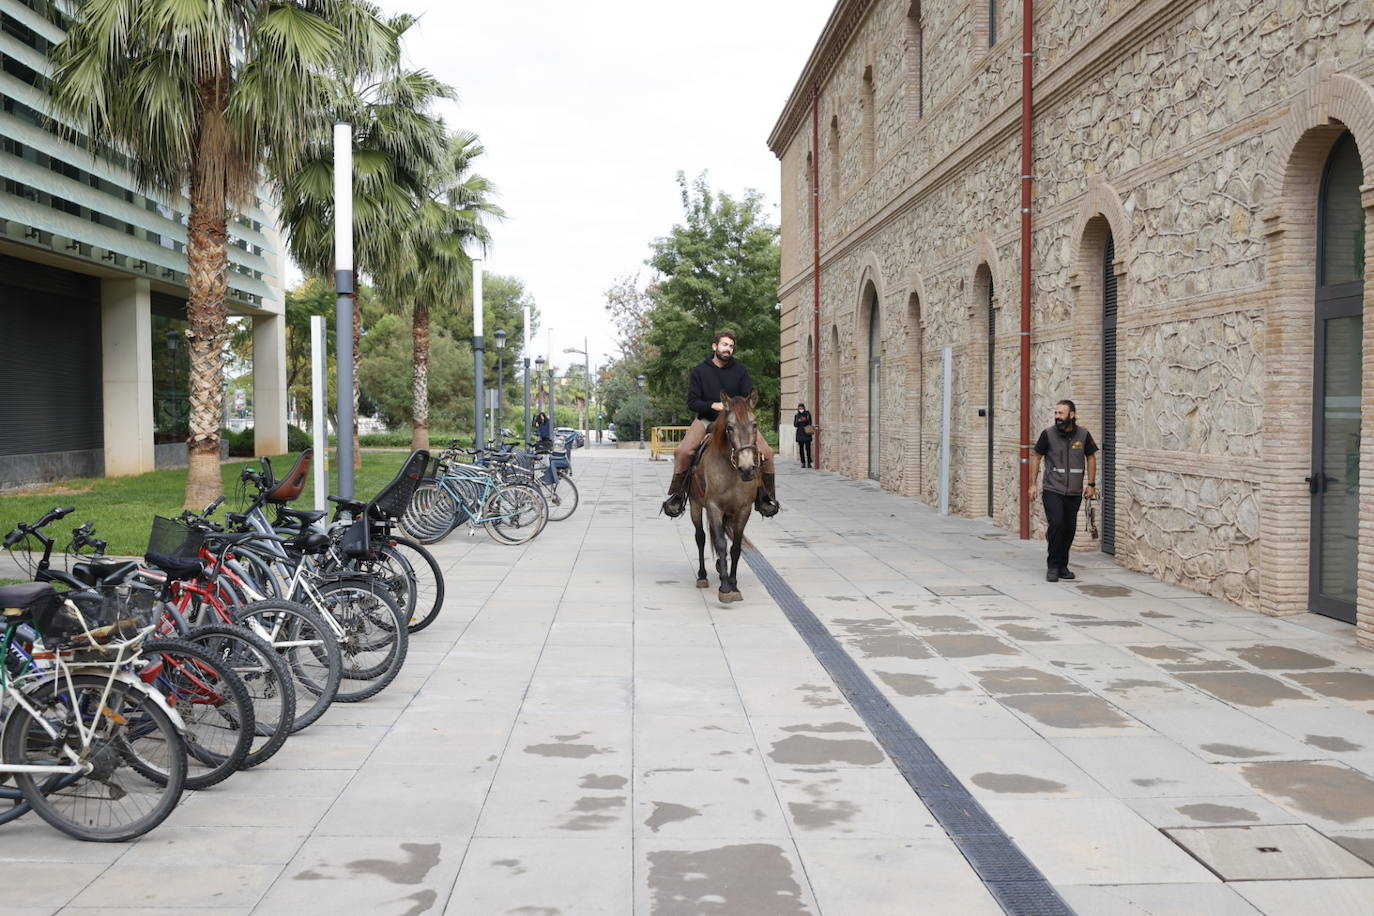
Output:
x=587 y=362
x=640 y=379
x=477 y=348
x=526 y=353
x=538 y=382
x=500 y=336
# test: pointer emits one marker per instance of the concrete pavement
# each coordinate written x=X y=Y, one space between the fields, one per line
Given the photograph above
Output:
x=584 y=731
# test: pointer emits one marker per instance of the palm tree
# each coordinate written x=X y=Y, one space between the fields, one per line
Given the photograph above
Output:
x=430 y=263
x=202 y=95
x=399 y=145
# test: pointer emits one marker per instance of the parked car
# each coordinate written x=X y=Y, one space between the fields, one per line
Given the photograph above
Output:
x=573 y=437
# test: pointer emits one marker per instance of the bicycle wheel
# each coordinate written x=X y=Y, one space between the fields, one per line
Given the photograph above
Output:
x=429 y=582
x=306 y=642
x=515 y=514
x=211 y=699
x=562 y=498
x=113 y=801
x=12 y=804
x=255 y=572
x=267 y=679
x=375 y=639
x=393 y=572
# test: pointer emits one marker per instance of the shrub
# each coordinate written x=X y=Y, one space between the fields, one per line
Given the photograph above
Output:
x=241 y=443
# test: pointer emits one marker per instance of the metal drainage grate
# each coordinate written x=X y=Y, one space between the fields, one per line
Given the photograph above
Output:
x=1012 y=879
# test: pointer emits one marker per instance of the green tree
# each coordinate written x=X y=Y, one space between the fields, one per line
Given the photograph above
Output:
x=399 y=147
x=718 y=269
x=201 y=95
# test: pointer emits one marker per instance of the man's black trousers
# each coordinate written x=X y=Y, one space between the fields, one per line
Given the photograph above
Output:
x=804 y=452
x=1062 y=513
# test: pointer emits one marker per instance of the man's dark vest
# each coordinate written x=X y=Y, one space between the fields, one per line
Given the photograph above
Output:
x=1065 y=463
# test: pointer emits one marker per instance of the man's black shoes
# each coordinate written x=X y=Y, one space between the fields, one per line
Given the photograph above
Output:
x=1055 y=573
x=1066 y=573
x=676 y=502
x=766 y=503
x=1051 y=575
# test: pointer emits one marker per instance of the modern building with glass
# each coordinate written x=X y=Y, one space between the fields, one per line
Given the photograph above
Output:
x=93 y=291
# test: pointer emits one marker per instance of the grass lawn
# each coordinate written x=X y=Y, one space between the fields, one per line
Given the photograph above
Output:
x=123 y=507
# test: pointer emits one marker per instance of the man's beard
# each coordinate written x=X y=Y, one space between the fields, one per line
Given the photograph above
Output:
x=726 y=358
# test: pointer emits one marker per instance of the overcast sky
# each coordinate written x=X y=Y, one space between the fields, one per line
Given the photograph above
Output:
x=588 y=110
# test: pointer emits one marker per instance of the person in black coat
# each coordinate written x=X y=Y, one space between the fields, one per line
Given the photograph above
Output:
x=802 y=421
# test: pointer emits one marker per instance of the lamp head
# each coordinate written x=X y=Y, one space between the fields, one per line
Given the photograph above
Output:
x=641 y=379
x=500 y=336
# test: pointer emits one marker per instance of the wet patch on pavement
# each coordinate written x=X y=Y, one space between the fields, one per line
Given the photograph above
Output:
x=1326 y=790
x=1332 y=743
x=513 y=864
x=566 y=746
x=942 y=623
x=1362 y=846
x=420 y=859
x=819 y=696
x=592 y=781
x=668 y=813
x=969 y=646
x=914 y=685
x=1027 y=633
x=1244 y=688
x=742 y=879
x=1183 y=658
x=1234 y=750
x=1002 y=681
x=807 y=750
x=1017 y=783
x=882 y=637
x=1106 y=591
x=1067 y=710
x=828 y=727
x=1280 y=658
x=587 y=813
x=1218 y=814
x=1343 y=685
x=1127 y=684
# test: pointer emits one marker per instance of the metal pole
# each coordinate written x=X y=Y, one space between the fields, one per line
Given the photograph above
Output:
x=641 y=418
x=500 y=392
x=528 y=415
x=480 y=388
x=946 y=408
x=587 y=363
x=319 y=391
x=343 y=286
x=553 y=419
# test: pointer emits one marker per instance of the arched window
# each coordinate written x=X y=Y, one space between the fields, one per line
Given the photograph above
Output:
x=992 y=23
x=1337 y=377
x=866 y=103
x=915 y=62
x=875 y=378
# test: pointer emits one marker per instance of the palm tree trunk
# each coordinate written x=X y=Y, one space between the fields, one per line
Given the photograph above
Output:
x=419 y=436
x=207 y=261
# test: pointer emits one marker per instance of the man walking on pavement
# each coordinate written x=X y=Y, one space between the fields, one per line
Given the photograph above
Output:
x=1070 y=456
x=802 y=421
x=720 y=373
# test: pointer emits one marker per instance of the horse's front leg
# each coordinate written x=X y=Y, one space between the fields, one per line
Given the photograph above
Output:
x=734 y=560
x=721 y=546
x=702 y=581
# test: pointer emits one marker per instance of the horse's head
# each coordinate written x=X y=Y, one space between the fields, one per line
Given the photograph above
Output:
x=741 y=432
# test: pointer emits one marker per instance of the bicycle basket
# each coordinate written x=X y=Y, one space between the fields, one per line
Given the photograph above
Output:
x=174 y=538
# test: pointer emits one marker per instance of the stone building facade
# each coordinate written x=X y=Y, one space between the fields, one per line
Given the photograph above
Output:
x=1202 y=176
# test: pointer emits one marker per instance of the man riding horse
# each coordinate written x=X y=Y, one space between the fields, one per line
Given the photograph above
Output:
x=720 y=373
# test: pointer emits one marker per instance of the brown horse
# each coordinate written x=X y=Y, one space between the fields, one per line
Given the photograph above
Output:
x=724 y=485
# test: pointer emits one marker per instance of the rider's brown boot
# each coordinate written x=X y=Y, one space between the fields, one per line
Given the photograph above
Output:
x=676 y=502
x=767 y=501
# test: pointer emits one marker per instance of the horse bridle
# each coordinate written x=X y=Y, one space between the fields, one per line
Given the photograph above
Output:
x=736 y=449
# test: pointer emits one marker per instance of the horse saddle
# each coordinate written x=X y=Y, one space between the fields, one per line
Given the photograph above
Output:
x=701 y=449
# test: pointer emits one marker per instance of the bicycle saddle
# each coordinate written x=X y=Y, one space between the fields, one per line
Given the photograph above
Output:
x=103 y=572
x=354 y=506
x=309 y=542
x=177 y=567
x=303 y=516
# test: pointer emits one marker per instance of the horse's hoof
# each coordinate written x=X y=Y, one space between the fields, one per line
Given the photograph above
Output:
x=727 y=597
x=702 y=583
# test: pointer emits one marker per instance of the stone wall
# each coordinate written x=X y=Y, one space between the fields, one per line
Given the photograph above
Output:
x=1168 y=125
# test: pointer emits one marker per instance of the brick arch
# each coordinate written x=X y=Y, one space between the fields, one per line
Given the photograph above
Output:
x=912 y=396
x=1327 y=99
x=1324 y=105
x=870 y=278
